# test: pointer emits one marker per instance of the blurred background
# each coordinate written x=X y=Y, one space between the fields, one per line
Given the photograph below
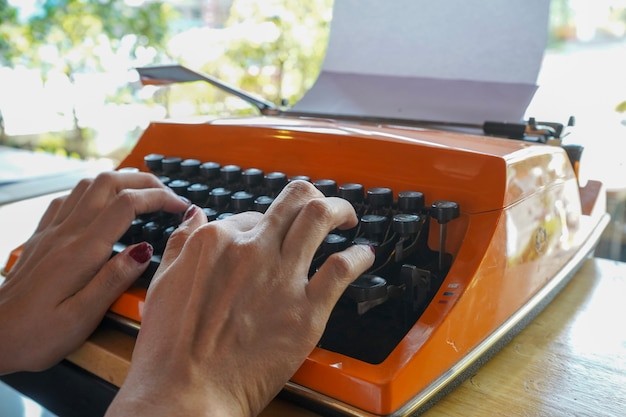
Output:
x=66 y=79
x=67 y=84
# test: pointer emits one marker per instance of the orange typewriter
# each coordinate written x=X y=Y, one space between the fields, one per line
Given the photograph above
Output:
x=473 y=234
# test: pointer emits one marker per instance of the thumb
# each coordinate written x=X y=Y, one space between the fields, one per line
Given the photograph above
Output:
x=112 y=280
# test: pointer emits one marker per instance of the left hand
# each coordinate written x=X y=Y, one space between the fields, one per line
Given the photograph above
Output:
x=64 y=282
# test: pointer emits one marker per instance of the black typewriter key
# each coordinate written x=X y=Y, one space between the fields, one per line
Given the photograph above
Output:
x=334 y=243
x=179 y=186
x=262 y=203
x=300 y=178
x=275 y=181
x=153 y=162
x=160 y=247
x=252 y=178
x=133 y=233
x=198 y=193
x=152 y=232
x=367 y=287
x=224 y=216
x=373 y=225
x=210 y=170
x=444 y=211
x=190 y=167
x=379 y=197
x=171 y=165
x=327 y=187
x=230 y=174
x=410 y=202
x=219 y=198
x=354 y=193
x=168 y=232
x=406 y=224
x=164 y=179
x=241 y=201
x=211 y=214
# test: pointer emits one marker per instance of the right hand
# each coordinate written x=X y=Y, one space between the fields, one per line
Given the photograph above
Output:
x=231 y=314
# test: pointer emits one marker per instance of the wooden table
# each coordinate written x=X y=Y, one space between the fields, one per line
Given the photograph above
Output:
x=569 y=361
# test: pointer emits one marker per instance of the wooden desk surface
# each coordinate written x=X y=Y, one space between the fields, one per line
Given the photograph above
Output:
x=569 y=361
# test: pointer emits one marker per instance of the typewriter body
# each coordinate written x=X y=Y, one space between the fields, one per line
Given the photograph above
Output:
x=473 y=234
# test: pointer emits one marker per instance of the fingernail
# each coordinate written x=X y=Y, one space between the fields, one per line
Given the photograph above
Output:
x=190 y=212
x=372 y=248
x=141 y=253
x=185 y=199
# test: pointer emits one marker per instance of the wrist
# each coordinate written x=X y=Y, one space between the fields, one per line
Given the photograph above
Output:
x=138 y=397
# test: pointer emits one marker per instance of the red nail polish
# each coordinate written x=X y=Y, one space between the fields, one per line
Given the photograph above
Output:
x=190 y=212
x=141 y=253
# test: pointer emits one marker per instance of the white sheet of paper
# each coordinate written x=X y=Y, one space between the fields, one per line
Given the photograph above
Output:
x=460 y=61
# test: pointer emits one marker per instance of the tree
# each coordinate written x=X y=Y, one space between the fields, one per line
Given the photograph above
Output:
x=8 y=29
x=74 y=37
x=277 y=47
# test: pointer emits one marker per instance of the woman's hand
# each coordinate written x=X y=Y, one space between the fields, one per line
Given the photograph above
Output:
x=230 y=314
x=64 y=282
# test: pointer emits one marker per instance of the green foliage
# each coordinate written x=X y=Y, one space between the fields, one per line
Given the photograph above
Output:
x=9 y=30
x=84 y=31
x=278 y=47
x=271 y=48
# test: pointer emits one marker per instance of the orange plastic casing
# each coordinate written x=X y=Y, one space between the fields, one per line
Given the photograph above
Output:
x=520 y=222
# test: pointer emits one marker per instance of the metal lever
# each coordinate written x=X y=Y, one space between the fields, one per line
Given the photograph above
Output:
x=444 y=211
x=170 y=74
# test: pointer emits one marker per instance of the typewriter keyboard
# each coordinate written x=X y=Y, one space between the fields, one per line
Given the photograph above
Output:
x=381 y=305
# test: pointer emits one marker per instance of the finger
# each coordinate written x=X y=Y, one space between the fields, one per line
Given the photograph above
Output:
x=285 y=208
x=70 y=201
x=94 y=299
x=51 y=212
x=339 y=270
x=29 y=247
x=104 y=189
x=111 y=222
x=313 y=222
x=193 y=219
